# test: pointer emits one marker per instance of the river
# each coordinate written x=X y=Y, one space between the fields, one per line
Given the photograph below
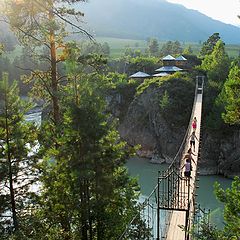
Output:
x=147 y=174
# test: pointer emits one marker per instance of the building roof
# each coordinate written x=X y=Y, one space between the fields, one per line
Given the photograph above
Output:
x=139 y=75
x=168 y=69
x=168 y=57
x=181 y=58
x=161 y=74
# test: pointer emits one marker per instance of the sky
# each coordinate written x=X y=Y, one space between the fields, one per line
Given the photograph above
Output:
x=223 y=10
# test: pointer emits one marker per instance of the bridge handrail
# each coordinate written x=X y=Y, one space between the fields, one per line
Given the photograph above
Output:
x=142 y=206
x=175 y=165
x=180 y=150
x=172 y=167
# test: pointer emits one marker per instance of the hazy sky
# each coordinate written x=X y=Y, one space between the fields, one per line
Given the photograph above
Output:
x=223 y=10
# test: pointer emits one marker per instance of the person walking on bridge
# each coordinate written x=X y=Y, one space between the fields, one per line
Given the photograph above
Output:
x=187 y=170
x=188 y=155
x=194 y=124
x=192 y=140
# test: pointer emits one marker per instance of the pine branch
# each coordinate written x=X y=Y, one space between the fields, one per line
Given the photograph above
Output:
x=58 y=14
x=25 y=33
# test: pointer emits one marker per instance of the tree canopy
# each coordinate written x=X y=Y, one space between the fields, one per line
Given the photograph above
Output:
x=209 y=45
x=217 y=63
x=231 y=95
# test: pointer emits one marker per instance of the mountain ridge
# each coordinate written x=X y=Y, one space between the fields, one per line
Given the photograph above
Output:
x=154 y=18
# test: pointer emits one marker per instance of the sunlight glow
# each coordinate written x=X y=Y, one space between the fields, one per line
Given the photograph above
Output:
x=224 y=10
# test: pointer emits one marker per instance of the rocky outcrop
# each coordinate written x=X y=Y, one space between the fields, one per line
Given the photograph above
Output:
x=144 y=125
x=221 y=154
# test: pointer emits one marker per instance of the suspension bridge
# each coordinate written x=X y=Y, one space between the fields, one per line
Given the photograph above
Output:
x=170 y=209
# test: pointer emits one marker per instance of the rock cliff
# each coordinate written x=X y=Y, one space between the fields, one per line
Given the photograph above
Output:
x=221 y=154
x=160 y=131
x=157 y=128
x=145 y=125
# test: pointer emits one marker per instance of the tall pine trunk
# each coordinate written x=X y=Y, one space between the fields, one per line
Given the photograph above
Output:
x=10 y=174
x=54 y=80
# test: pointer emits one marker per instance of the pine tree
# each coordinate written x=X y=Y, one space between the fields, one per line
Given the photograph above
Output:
x=231 y=200
x=230 y=197
x=41 y=23
x=153 y=47
x=217 y=63
x=231 y=95
x=87 y=193
x=17 y=137
x=209 y=45
x=188 y=50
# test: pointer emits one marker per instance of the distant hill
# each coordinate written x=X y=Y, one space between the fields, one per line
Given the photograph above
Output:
x=141 y=19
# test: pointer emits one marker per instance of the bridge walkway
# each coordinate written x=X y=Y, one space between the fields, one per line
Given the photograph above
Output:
x=172 y=202
x=179 y=218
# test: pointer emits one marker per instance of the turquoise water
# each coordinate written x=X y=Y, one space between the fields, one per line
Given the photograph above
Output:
x=147 y=175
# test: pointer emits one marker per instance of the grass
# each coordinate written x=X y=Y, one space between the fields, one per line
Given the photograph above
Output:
x=118 y=45
x=233 y=50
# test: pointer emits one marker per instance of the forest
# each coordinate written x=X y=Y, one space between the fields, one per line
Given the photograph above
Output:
x=76 y=158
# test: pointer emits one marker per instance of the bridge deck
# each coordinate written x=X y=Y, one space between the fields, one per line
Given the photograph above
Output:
x=179 y=217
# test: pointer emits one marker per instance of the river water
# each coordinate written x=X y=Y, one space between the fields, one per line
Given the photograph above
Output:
x=147 y=174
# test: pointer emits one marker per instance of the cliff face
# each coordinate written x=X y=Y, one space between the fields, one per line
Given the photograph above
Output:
x=160 y=137
x=144 y=125
x=221 y=154
x=156 y=117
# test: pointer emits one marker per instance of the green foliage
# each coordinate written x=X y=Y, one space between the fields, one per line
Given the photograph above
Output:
x=1 y=49
x=171 y=47
x=209 y=45
x=231 y=96
x=18 y=162
x=90 y=47
x=41 y=24
x=148 y=82
x=206 y=231
x=231 y=200
x=86 y=192
x=130 y=65
x=93 y=60
x=123 y=93
x=231 y=231
x=174 y=91
x=193 y=61
x=180 y=90
x=164 y=102
x=87 y=188
x=188 y=50
x=145 y=64
x=216 y=63
x=153 y=47
x=106 y=49
x=117 y=79
x=131 y=53
x=214 y=107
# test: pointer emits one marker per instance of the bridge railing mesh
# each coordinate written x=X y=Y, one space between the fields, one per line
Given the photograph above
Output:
x=176 y=163
x=148 y=209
